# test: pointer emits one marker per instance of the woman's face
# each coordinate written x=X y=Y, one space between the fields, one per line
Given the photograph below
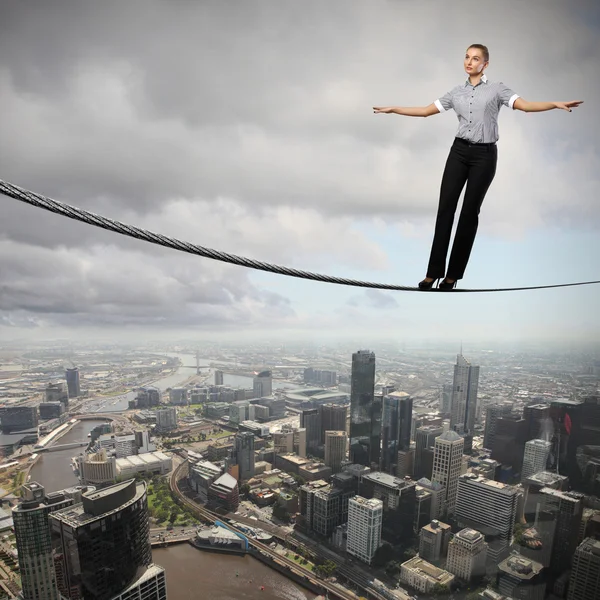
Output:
x=474 y=62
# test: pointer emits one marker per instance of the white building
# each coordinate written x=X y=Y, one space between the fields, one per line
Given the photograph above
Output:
x=467 y=554
x=166 y=419
x=424 y=576
x=447 y=465
x=535 y=457
x=364 y=527
x=123 y=445
x=491 y=507
x=150 y=584
x=97 y=468
x=155 y=463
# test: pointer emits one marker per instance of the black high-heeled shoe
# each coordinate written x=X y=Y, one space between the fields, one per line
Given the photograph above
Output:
x=446 y=286
x=427 y=285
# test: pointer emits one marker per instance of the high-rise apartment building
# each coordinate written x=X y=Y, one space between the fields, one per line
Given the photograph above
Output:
x=166 y=419
x=492 y=414
x=585 y=573
x=491 y=508
x=424 y=445
x=396 y=423
x=464 y=396
x=263 y=384
x=535 y=457
x=335 y=449
x=73 y=383
x=244 y=454
x=433 y=541
x=447 y=466
x=102 y=544
x=364 y=527
x=334 y=417
x=365 y=411
x=467 y=554
x=34 y=542
x=219 y=377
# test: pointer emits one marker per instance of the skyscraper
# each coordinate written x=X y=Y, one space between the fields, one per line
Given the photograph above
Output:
x=535 y=457
x=263 y=384
x=335 y=449
x=395 y=428
x=365 y=411
x=72 y=376
x=447 y=464
x=310 y=420
x=102 y=545
x=333 y=418
x=244 y=454
x=467 y=554
x=464 y=396
x=585 y=574
x=34 y=542
x=492 y=414
x=489 y=507
x=424 y=443
x=219 y=377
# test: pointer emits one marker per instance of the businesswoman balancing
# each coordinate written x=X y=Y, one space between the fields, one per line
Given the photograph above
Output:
x=472 y=159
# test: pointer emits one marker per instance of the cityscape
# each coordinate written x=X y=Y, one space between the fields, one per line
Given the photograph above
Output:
x=395 y=474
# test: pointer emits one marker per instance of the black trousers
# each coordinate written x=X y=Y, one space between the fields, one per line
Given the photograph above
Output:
x=474 y=164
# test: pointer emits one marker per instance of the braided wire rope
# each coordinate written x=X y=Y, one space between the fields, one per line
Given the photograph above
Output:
x=84 y=216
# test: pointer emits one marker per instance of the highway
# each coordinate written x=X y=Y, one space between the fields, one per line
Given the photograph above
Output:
x=207 y=515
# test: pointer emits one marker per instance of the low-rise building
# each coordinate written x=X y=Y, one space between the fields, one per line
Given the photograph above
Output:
x=155 y=463
x=202 y=475
x=224 y=493
x=424 y=576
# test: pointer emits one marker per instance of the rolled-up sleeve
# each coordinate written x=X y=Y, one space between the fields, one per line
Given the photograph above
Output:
x=445 y=102
x=506 y=96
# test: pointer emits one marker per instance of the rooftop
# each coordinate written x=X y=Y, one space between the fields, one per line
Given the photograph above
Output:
x=470 y=535
x=430 y=571
x=590 y=546
x=436 y=526
x=518 y=566
x=369 y=502
x=449 y=436
x=387 y=480
x=227 y=481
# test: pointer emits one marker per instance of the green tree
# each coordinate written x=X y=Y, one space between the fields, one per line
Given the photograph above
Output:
x=439 y=590
x=280 y=512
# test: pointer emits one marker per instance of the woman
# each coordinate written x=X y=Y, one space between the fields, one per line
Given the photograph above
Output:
x=472 y=159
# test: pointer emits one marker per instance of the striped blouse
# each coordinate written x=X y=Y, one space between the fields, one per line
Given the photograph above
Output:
x=477 y=108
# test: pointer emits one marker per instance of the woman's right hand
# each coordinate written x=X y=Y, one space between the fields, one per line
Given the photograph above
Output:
x=383 y=109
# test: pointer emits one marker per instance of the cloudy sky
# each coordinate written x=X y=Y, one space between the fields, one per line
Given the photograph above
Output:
x=248 y=127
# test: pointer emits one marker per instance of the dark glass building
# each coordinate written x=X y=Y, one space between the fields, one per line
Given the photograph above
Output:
x=100 y=544
x=365 y=411
x=396 y=423
x=72 y=376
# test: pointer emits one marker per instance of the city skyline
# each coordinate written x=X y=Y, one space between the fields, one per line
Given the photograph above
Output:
x=277 y=156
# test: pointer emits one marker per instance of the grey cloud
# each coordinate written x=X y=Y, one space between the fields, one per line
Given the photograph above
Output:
x=250 y=130
x=373 y=298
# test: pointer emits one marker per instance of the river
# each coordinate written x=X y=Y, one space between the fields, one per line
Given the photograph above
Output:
x=180 y=376
x=193 y=574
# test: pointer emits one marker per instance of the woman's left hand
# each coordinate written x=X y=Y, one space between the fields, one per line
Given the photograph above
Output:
x=569 y=105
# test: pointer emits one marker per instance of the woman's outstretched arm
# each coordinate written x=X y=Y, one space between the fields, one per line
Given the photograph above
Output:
x=528 y=107
x=417 y=111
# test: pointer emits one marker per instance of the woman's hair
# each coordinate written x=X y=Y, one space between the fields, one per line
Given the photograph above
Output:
x=484 y=50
